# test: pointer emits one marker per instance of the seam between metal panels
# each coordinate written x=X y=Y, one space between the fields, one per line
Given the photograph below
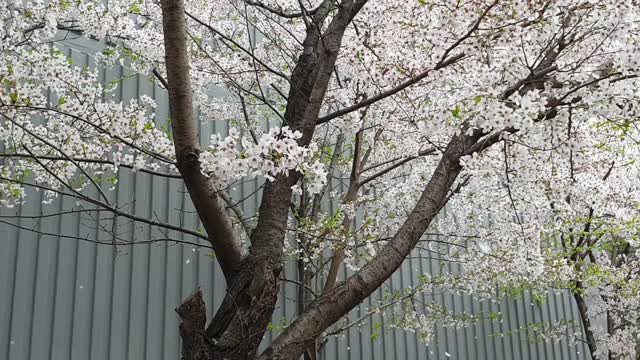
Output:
x=113 y=265
x=75 y=270
x=13 y=285
x=147 y=288
x=508 y=305
x=34 y=279
x=164 y=280
x=75 y=286
x=526 y=322
x=94 y=253
x=402 y=286
x=132 y=250
x=554 y=345
x=112 y=282
x=55 y=283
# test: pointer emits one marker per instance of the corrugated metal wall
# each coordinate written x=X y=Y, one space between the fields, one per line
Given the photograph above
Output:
x=64 y=298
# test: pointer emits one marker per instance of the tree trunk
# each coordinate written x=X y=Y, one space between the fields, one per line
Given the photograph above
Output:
x=235 y=332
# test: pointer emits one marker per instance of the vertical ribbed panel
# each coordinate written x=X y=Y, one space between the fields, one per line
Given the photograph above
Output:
x=63 y=299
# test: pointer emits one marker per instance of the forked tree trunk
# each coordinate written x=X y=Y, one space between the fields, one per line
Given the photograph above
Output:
x=235 y=332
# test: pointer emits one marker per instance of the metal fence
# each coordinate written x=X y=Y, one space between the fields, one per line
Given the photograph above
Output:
x=65 y=298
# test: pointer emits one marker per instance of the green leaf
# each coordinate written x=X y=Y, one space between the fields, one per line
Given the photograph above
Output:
x=135 y=8
x=456 y=112
x=65 y=4
x=109 y=51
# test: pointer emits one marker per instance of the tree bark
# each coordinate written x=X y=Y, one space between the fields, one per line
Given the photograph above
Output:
x=207 y=202
x=193 y=314
x=238 y=326
x=237 y=329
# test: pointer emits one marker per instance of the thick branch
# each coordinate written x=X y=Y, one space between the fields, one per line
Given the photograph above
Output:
x=309 y=82
x=334 y=304
x=208 y=204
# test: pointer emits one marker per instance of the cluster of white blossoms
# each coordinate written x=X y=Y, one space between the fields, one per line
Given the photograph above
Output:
x=66 y=117
x=59 y=123
x=276 y=153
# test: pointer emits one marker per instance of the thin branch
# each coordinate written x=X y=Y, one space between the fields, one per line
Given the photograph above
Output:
x=309 y=288
x=90 y=161
x=162 y=80
x=97 y=127
x=279 y=11
x=239 y=46
x=247 y=121
x=389 y=92
x=508 y=186
x=107 y=207
x=248 y=229
x=43 y=216
x=444 y=62
x=395 y=165
x=140 y=242
x=58 y=149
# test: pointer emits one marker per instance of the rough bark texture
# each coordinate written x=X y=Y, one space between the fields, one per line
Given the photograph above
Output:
x=241 y=321
x=193 y=314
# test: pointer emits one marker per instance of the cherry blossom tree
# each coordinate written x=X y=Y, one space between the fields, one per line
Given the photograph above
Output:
x=518 y=116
